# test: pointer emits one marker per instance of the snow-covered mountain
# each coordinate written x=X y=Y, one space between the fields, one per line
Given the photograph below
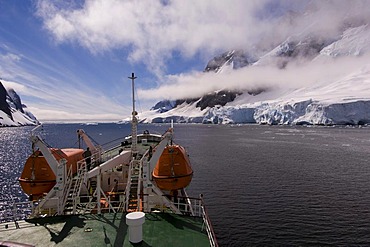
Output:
x=344 y=100
x=12 y=111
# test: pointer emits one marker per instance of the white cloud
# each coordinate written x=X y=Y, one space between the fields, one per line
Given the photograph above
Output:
x=45 y=114
x=9 y=57
x=196 y=84
x=153 y=29
x=53 y=91
x=52 y=103
x=69 y=103
x=14 y=85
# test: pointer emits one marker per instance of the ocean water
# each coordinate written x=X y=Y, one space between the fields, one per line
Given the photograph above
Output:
x=263 y=185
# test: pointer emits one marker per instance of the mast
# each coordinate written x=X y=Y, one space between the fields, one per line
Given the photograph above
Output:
x=134 y=119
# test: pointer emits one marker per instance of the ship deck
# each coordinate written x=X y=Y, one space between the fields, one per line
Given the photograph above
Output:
x=109 y=229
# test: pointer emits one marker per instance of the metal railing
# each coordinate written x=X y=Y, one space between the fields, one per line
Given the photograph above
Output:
x=140 y=181
x=207 y=222
x=67 y=186
x=195 y=207
x=110 y=153
x=16 y=211
x=115 y=202
x=128 y=185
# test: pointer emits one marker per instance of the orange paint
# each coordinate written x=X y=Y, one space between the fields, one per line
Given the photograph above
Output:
x=38 y=178
x=173 y=170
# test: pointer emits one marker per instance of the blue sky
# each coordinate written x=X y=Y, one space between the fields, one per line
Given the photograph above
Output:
x=64 y=80
x=69 y=60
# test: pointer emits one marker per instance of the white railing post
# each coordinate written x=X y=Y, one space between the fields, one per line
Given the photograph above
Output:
x=98 y=187
x=209 y=229
x=128 y=185
x=60 y=186
x=14 y=213
x=139 y=184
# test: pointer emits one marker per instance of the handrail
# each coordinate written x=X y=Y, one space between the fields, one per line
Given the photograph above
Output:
x=139 y=186
x=209 y=228
x=128 y=185
x=68 y=184
x=197 y=208
x=16 y=211
x=81 y=168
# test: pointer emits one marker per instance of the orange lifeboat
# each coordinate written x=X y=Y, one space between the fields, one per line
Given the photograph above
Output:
x=173 y=170
x=38 y=178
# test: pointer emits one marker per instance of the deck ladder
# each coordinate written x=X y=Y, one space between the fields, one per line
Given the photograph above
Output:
x=132 y=188
x=74 y=188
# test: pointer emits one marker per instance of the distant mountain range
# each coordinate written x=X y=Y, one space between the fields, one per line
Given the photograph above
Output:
x=343 y=100
x=12 y=111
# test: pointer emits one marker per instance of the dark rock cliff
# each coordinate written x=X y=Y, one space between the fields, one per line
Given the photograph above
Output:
x=3 y=104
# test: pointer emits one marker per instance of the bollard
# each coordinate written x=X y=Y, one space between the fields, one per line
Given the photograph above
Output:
x=135 y=221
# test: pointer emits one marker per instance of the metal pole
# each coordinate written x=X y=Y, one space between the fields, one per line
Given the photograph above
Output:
x=134 y=119
x=98 y=187
x=133 y=77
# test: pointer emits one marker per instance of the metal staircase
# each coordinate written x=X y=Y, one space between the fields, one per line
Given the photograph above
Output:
x=73 y=188
x=133 y=187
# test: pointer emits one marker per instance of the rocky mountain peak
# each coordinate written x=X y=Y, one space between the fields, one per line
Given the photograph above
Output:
x=12 y=111
x=238 y=59
x=3 y=101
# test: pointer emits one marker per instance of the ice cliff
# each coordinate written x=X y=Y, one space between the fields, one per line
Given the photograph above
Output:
x=343 y=100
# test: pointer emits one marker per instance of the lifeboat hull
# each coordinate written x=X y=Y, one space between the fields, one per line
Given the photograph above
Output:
x=38 y=178
x=173 y=170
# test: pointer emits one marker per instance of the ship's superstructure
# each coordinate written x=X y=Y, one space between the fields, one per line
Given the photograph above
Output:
x=146 y=173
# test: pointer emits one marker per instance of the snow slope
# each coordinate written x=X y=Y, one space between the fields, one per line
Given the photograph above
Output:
x=344 y=100
x=12 y=111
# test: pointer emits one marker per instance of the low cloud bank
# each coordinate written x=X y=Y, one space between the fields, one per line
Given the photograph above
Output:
x=295 y=75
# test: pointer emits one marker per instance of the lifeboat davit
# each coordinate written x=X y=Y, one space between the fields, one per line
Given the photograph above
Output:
x=173 y=170
x=38 y=178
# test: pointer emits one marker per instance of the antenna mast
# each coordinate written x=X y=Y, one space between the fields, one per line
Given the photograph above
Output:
x=134 y=119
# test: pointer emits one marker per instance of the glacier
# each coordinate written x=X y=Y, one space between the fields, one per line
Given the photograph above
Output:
x=318 y=105
x=344 y=100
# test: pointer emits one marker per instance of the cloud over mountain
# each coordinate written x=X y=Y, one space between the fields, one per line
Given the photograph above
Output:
x=153 y=30
x=304 y=80
x=66 y=55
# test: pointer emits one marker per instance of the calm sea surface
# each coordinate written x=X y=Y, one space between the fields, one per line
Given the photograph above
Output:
x=263 y=185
